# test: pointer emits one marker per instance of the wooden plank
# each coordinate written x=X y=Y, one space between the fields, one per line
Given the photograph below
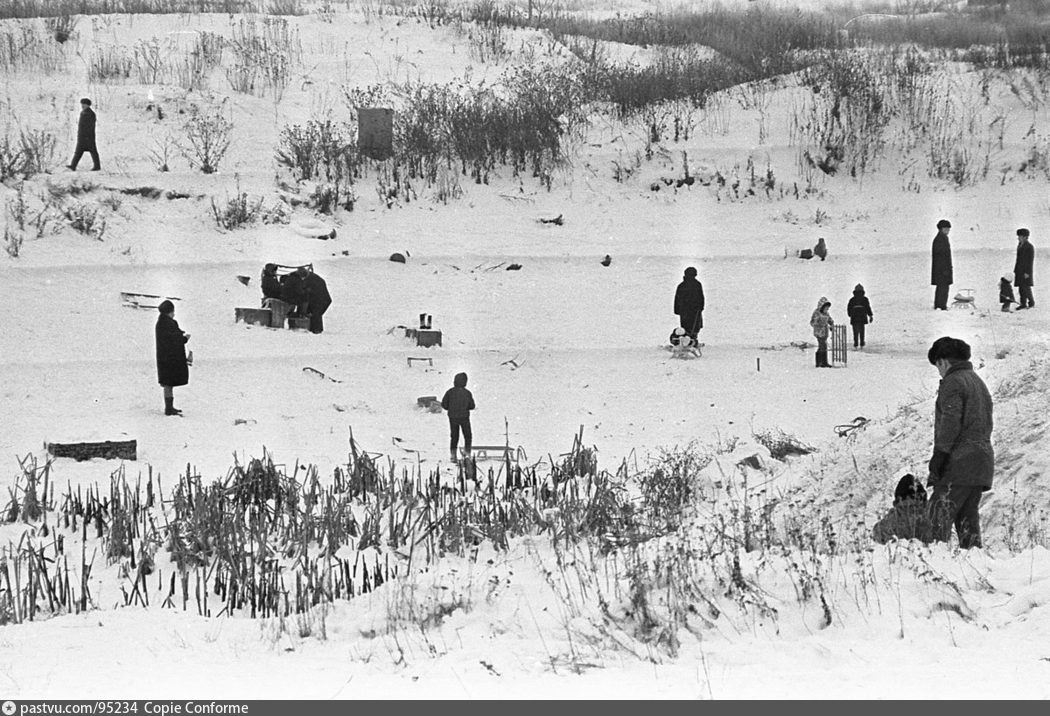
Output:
x=107 y=450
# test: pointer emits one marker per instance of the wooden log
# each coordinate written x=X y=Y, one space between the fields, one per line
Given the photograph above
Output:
x=107 y=450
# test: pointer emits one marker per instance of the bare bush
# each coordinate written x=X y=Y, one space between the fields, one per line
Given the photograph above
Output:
x=86 y=219
x=206 y=138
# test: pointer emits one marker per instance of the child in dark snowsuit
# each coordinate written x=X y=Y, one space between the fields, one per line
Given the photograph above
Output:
x=908 y=519
x=458 y=402
x=1006 y=292
x=859 y=310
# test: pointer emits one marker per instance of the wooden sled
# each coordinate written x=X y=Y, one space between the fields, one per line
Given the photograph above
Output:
x=130 y=299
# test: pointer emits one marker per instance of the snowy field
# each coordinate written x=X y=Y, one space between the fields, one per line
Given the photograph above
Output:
x=562 y=344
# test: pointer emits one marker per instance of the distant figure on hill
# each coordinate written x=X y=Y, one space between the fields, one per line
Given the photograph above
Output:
x=1023 y=269
x=85 y=137
x=941 y=270
x=821 y=249
x=172 y=367
x=689 y=303
x=909 y=518
x=1006 y=291
x=859 y=311
x=317 y=299
x=458 y=402
x=822 y=322
x=963 y=460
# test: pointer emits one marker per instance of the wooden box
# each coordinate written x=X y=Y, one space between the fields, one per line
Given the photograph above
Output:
x=299 y=324
x=427 y=338
x=252 y=316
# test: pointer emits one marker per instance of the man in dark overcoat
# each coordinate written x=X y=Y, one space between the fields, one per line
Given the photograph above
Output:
x=689 y=303
x=963 y=460
x=172 y=367
x=941 y=272
x=86 y=137
x=1023 y=270
x=317 y=300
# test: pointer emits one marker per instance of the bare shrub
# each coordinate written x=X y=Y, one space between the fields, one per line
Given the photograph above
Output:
x=86 y=219
x=31 y=152
x=110 y=64
x=61 y=27
x=238 y=211
x=206 y=138
x=781 y=444
x=669 y=484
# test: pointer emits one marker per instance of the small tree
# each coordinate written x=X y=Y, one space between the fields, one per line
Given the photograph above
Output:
x=206 y=139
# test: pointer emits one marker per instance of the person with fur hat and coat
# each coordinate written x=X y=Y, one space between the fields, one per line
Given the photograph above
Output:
x=821 y=321
x=172 y=366
x=458 y=402
x=908 y=519
x=859 y=311
x=1023 y=269
x=963 y=461
x=941 y=275
x=689 y=303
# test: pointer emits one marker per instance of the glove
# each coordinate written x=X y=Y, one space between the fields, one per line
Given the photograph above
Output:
x=871 y=319
x=937 y=464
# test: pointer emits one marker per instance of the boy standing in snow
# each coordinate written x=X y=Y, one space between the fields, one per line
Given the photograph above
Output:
x=1006 y=292
x=859 y=311
x=822 y=322
x=458 y=402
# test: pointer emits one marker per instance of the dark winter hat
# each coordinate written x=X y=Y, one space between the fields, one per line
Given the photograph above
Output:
x=460 y=381
x=909 y=488
x=1022 y=232
x=858 y=289
x=270 y=268
x=952 y=349
x=944 y=224
x=166 y=306
x=690 y=271
x=85 y=100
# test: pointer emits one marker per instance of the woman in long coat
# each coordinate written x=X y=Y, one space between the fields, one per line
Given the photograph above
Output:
x=689 y=303
x=172 y=368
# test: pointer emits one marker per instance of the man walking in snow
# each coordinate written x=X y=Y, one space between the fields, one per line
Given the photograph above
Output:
x=941 y=270
x=963 y=460
x=86 y=137
x=1023 y=270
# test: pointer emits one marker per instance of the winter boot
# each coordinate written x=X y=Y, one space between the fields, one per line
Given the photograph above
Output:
x=169 y=407
x=817 y=355
x=822 y=359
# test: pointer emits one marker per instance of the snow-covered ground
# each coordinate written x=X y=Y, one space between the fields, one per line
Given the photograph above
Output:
x=560 y=344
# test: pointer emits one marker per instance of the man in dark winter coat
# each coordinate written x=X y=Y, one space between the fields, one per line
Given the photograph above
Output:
x=1023 y=270
x=271 y=285
x=294 y=291
x=172 y=367
x=941 y=271
x=859 y=311
x=458 y=402
x=317 y=300
x=86 y=137
x=689 y=303
x=963 y=460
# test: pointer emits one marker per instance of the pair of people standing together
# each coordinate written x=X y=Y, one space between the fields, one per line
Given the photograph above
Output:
x=942 y=275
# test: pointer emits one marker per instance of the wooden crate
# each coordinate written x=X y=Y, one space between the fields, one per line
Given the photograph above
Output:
x=299 y=324
x=428 y=338
x=253 y=316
